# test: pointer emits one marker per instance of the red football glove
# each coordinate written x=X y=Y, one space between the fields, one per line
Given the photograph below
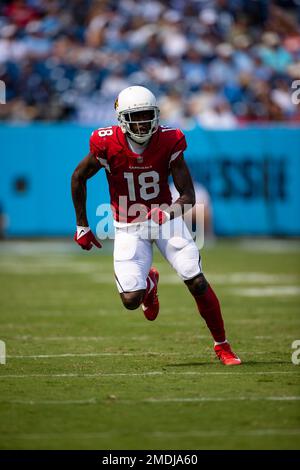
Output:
x=158 y=216
x=86 y=239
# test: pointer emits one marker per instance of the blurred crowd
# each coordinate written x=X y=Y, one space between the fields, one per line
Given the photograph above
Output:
x=214 y=63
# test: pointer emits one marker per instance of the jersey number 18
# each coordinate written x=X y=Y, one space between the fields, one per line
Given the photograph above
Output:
x=148 y=185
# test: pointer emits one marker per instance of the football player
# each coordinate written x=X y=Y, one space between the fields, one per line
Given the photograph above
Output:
x=138 y=155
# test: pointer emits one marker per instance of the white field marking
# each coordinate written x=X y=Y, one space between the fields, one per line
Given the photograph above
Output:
x=143 y=374
x=270 y=246
x=129 y=338
x=97 y=401
x=214 y=399
x=267 y=291
x=256 y=432
x=57 y=314
x=84 y=338
x=219 y=279
x=259 y=321
x=253 y=278
x=156 y=434
x=103 y=354
x=53 y=265
x=2 y=352
x=121 y=354
x=89 y=401
x=38 y=247
x=92 y=312
x=48 y=266
x=59 y=338
x=273 y=338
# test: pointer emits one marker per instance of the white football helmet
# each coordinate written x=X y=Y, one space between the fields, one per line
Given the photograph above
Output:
x=131 y=100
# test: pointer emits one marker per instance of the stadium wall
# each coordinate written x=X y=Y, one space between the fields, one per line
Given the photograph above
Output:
x=252 y=175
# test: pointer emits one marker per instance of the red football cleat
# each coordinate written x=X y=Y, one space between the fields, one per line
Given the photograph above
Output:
x=225 y=354
x=150 y=303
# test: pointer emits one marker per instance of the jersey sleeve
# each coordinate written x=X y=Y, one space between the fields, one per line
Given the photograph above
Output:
x=179 y=146
x=97 y=145
x=98 y=149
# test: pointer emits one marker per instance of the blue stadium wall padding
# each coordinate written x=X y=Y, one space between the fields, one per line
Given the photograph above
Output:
x=252 y=175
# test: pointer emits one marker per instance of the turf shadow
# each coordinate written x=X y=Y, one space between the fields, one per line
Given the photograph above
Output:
x=244 y=363
x=266 y=363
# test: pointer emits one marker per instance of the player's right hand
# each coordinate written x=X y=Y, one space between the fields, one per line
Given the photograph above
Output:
x=86 y=239
x=158 y=216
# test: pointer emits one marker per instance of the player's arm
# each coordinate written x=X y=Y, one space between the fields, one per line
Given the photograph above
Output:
x=87 y=168
x=184 y=184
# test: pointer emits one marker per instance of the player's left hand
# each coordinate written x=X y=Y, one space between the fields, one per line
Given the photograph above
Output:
x=86 y=239
x=158 y=216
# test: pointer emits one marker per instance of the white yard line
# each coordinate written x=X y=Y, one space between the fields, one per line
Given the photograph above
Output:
x=257 y=278
x=51 y=265
x=157 y=434
x=256 y=432
x=126 y=338
x=267 y=291
x=147 y=353
x=142 y=374
x=216 y=399
x=121 y=354
x=97 y=401
x=269 y=245
x=90 y=401
x=84 y=338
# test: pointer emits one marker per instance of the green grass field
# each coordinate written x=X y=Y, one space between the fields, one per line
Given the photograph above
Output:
x=84 y=373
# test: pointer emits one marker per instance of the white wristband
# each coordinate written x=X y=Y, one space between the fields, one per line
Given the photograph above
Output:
x=81 y=231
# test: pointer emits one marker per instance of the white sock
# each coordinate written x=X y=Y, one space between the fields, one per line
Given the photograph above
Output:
x=217 y=344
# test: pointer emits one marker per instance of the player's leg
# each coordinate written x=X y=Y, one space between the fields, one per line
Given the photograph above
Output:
x=208 y=305
x=209 y=308
x=183 y=255
x=132 y=262
x=150 y=303
x=132 y=300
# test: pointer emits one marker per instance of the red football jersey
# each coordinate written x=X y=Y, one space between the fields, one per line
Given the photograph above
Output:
x=137 y=182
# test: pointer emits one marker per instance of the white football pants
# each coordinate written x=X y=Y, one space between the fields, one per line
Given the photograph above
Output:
x=133 y=252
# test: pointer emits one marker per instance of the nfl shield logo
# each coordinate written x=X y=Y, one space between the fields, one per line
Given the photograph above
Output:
x=139 y=159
